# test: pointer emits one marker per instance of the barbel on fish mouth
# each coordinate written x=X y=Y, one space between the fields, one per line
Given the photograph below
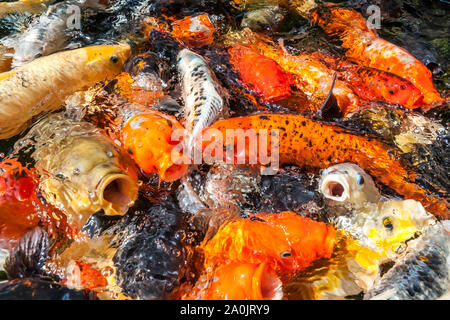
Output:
x=50 y=33
x=42 y=84
x=202 y=94
x=81 y=170
x=422 y=274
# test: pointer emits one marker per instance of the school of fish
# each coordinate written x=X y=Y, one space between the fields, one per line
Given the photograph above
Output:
x=150 y=150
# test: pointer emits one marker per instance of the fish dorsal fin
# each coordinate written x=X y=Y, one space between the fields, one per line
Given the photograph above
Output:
x=28 y=257
x=330 y=107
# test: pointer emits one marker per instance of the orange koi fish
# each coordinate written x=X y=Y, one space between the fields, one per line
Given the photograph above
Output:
x=312 y=76
x=147 y=136
x=262 y=74
x=17 y=213
x=315 y=145
x=20 y=208
x=245 y=257
x=238 y=281
x=367 y=49
x=286 y=241
x=193 y=31
x=377 y=85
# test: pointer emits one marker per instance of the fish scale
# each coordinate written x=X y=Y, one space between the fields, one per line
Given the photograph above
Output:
x=423 y=274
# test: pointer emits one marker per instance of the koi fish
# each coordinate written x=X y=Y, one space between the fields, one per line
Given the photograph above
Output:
x=81 y=170
x=147 y=136
x=294 y=241
x=23 y=6
x=315 y=145
x=422 y=274
x=267 y=18
x=386 y=227
x=312 y=77
x=262 y=74
x=48 y=34
x=195 y=31
x=43 y=84
x=25 y=268
x=201 y=94
x=377 y=85
x=252 y=253
x=238 y=281
x=367 y=49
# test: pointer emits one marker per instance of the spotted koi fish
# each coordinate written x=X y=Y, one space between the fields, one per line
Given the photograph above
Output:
x=316 y=145
x=367 y=49
x=201 y=93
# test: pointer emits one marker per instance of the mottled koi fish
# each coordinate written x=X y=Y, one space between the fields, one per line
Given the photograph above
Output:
x=201 y=93
x=377 y=85
x=311 y=76
x=315 y=145
x=367 y=49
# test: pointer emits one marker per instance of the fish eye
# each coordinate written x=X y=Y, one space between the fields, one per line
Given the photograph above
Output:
x=359 y=179
x=114 y=59
x=388 y=223
x=285 y=254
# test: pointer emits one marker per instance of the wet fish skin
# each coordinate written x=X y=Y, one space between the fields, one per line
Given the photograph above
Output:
x=44 y=83
x=23 y=6
x=40 y=289
x=316 y=145
x=201 y=93
x=422 y=274
x=81 y=170
x=264 y=19
x=367 y=49
x=49 y=34
x=150 y=258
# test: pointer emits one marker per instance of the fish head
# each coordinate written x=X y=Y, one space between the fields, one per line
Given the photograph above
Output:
x=241 y=281
x=308 y=239
x=149 y=138
x=252 y=241
x=87 y=176
x=394 y=223
x=185 y=59
x=347 y=183
x=106 y=60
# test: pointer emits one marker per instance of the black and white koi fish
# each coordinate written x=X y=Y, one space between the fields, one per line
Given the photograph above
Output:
x=202 y=94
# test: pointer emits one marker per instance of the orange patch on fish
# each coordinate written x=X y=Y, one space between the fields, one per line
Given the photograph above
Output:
x=315 y=145
x=260 y=73
x=238 y=281
x=285 y=241
x=367 y=49
x=129 y=89
x=147 y=137
x=194 y=31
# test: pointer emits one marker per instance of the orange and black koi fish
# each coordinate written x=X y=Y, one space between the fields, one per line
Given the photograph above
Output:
x=377 y=85
x=315 y=145
x=193 y=31
x=311 y=76
x=367 y=49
